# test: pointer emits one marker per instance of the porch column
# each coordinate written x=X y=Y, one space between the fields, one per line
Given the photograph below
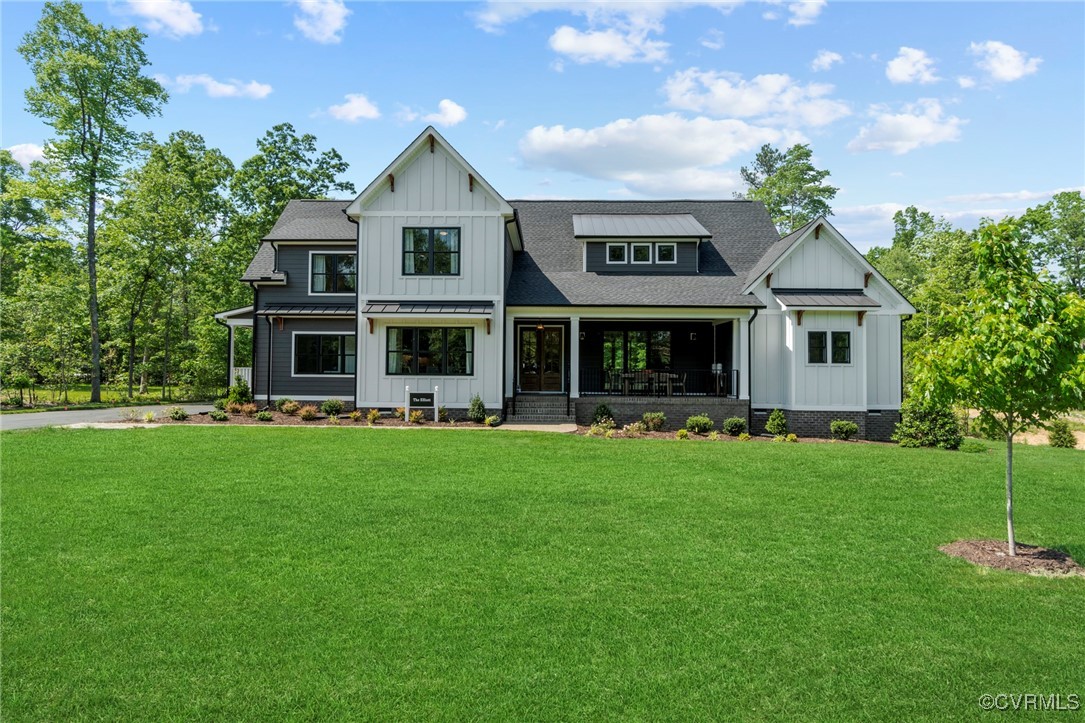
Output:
x=743 y=357
x=230 y=367
x=574 y=357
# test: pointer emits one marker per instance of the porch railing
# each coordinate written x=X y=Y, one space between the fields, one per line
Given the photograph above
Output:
x=243 y=372
x=662 y=383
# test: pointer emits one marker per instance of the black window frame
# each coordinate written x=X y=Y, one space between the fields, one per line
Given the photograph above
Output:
x=431 y=254
x=468 y=362
x=335 y=275
x=823 y=347
x=833 y=348
x=828 y=347
x=652 y=340
x=340 y=355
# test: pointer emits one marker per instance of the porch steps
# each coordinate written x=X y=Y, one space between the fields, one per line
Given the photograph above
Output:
x=539 y=410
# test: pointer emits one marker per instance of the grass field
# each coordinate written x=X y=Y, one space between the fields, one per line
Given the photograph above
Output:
x=49 y=400
x=241 y=574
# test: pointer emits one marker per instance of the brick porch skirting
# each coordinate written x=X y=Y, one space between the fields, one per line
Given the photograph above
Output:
x=677 y=409
x=875 y=425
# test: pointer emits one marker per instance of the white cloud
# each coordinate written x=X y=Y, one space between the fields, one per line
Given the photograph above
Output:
x=775 y=98
x=664 y=155
x=713 y=39
x=26 y=153
x=966 y=81
x=449 y=113
x=1003 y=63
x=825 y=60
x=919 y=124
x=216 y=88
x=172 y=18
x=805 y=12
x=321 y=21
x=911 y=66
x=1000 y=197
x=609 y=46
x=354 y=108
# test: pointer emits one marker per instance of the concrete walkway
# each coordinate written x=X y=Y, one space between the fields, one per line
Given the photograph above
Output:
x=34 y=420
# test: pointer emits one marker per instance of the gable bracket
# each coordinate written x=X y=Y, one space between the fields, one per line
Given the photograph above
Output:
x=431 y=142
x=866 y=278
x=370 y=320
x=471 y=182
x=817 y=231
x=768 y=281
x=392 y=181
x=861 y=315
x=798 y=315
x=487 y=327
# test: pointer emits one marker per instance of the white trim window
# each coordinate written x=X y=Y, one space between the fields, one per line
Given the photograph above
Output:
x=641 y=253
x=667 y=253
x=437 y=351
x=819 y=351
x=332 y=274
x=324 y=354
x=617 y=254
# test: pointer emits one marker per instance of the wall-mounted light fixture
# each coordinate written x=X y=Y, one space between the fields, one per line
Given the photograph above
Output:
x=540 y=326
x=583 y=336
x=693 y=336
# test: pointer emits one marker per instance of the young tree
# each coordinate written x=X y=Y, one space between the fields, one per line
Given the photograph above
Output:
x=1060 y=226
x=88 y=83
x=793 y=191
x=1016 y=354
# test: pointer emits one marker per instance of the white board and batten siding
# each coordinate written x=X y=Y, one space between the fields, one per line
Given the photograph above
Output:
x=432 y=190
x=816 y=263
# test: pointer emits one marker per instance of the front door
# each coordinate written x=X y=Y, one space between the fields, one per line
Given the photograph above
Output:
x=542 y=359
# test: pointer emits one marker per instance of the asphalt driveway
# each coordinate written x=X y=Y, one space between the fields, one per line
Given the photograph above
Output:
x=32 y=420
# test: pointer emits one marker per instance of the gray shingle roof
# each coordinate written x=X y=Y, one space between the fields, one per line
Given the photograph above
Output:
x=262 y=266
x=312 y=220
x=637 y=225
x=775 y=251
x=549 y=270
x=815 y=298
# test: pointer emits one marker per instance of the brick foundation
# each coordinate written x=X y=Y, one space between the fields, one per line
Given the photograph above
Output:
x=677 y=409
x=877 y=425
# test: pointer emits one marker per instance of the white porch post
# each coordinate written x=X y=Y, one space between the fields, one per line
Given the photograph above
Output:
x=230 y=370
x=574 y=357
x=743 y=358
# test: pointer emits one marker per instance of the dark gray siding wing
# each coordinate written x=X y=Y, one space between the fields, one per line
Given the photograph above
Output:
x=294 y=260
x=686 y=261
x=283 y=383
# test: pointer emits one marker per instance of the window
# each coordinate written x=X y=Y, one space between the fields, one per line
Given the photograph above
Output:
x=642 y=253
x=319 y=354
x=817 y=351
x=438 y=351
x=666 y=254
x=431 y=251
x=332 y=273
x=630 y=351
x=615 y=253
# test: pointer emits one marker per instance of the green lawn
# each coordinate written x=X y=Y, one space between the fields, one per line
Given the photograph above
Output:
x=245 y=573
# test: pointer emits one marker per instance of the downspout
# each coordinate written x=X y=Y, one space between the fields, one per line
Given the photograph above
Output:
x=357 y=304
x=270 y=339
x=749 y=367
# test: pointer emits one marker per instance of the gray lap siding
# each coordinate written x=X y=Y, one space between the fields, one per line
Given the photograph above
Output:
x=294 y=260
x=283 y=381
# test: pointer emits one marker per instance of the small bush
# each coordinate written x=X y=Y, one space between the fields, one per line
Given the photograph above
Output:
x=291 y=408
x=779 y=438
x=372 y=416
x=417 y=416
x=307 y=413
x=791 y=438
x=634 y=429
x=924 y=424
x=682 y=434
x=220 y=405
x=355 y=415
x=240 y=391
x=218 y=415
x=332 y=406
x=972 y=446
x=398 y=412
x=248 y=409
x=843 y=429
x=744 y=437
x=604 y=425
x=264 y=416
x=177 y=414
x=699 y=424
x=713 y=435
x=492 y=421
x=609 y=434
x=601 y=411
x=734 y=426
x=476 y=411
x=280 y=403
x=654 y=421
x=776 y=424
x=233 y=407
x=442 y=414
x=1059 y=435
x=333 y=419
x=148 y=417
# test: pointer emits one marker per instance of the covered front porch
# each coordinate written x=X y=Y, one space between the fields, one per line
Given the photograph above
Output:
x=235 y=320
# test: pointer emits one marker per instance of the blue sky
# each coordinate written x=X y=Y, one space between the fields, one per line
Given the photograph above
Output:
x=964 y=109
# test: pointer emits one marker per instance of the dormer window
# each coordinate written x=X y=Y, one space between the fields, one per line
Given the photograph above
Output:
x=616 y=254
x=666 y=253
x=332 y=273
x=642 y=253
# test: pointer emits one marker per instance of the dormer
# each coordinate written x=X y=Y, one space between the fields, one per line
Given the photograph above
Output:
x=640 y=244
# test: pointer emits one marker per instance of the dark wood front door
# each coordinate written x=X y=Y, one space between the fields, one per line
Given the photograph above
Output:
x=542 y=359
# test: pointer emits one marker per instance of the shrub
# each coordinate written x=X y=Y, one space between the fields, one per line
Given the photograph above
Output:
x=791 y=438
x=779 y=438
x=634 y=429
x=220 y=405
x=218 y=415
x=264 y=416
x=923 y=424
x=148 y=417
x=291 y=408
x=654 y=421
x=681 y=434
x=972 y=446
x=609 y=434
x=240 y=391
x=699 y=424
x=744 y=437
x=233 y=407
x=442 y=414
x=843 y=429
x=177 y=414
x=372 y=416
x=355 y=415
x=476 y=411
x=776 y=424
x=333 y=419
x=734 y=426
x=398 y=412
x=605 y=423
x=280 y=403
x=713 y=435
x=307 y=413
x=1059 y=435
x=248 y=409
x=601 y=411
x=332 y=406
x=492 y=421
x=417 y=416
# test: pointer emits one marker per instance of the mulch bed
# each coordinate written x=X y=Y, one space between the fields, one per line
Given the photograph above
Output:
x=583 y=430
x=295 y=420
x=1030 y=559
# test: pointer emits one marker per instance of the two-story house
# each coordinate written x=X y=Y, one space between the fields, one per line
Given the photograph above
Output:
x=545 y=309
